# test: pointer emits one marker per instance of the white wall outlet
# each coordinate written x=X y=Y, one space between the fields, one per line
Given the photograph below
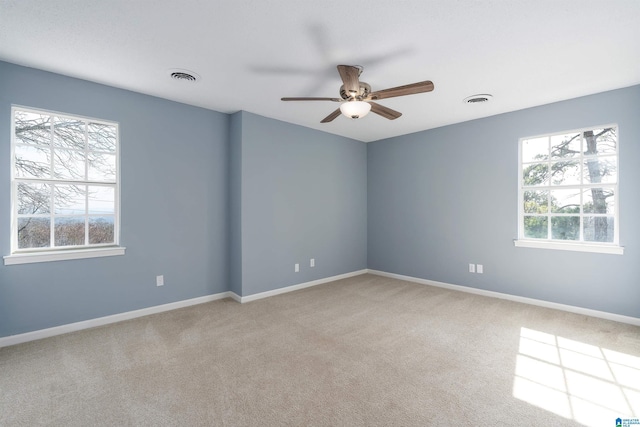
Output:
x=296 y=268
x=479 y=269
x=312 y=262
x=159 y=280
x=472 y=268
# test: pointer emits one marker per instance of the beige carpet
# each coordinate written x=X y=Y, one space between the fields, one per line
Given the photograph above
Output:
x=365 y=351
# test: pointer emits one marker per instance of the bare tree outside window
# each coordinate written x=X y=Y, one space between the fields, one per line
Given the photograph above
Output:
x=64 y=184
x=569 y=185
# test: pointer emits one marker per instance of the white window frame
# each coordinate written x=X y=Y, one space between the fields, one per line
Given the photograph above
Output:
x=32 y=255
x=572 y=245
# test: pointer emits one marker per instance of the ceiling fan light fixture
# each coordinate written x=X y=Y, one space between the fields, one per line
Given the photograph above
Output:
x=355 y=109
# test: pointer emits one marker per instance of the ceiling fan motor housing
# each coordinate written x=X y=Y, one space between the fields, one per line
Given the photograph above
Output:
x=363 y=92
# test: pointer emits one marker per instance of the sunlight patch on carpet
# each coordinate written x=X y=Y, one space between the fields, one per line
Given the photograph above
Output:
x=591 y=385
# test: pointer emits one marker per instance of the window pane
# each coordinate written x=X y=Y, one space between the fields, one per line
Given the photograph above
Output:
x=536 y=174
x=69 y=231
x=536 y=201
x=598 y=229
x=34 y=198
x=69 y=199
x=32 y=162
x=535 y=149
x=600 y=170
x=101 y=200
x=101 y=230
x=69 y=164
x=102 y=167
x=565 y=201
x=600 y=141
x=69 y=133
x=34 y=233
x=598 y=200
x=569 y=185
x=535 y=227
x=64 y=186
x=102 y=137
x=32 y=128
x=565 y=173
x=565 y=227
x=565 y=146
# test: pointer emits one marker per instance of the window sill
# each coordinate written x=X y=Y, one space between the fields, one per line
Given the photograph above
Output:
x=579 y=247
x=31 y=257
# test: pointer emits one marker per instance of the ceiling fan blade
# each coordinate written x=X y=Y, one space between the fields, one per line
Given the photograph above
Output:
x=349 y=75
x=420 y=87
x=385 y=112
x=311 y=99
x=331 y=116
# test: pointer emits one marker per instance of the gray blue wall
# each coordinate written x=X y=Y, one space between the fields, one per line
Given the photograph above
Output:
x=441 y=199
x=218 y=202
x=174 y=207
x=213 y=202
x=235 y=205
x=303 y=196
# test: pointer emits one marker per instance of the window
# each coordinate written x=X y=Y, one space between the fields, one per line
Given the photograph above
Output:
x=568 y=197
x=64 y=187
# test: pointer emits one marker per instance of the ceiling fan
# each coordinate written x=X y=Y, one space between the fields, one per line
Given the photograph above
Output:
x=357 y=99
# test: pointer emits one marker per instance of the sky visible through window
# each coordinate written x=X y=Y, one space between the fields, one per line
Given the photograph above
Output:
x=568 y=186
x=65 y=180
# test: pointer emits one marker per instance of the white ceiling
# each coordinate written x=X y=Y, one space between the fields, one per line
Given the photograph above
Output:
x=250 y=53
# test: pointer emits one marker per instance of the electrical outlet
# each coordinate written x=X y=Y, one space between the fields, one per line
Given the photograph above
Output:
x=159 y=280
x=296 y=268
x=472 y=268
x=312 y=262
x=479 y=269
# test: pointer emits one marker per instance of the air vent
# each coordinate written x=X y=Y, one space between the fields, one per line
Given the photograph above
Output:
x=184 y=75
x=478 y=99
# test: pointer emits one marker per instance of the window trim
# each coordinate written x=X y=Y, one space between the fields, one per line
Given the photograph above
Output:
x=34 y=255
x=573 y=245
x=62 y=254
x=578 y=247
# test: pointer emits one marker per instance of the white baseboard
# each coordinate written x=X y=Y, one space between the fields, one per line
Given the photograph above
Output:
x=235 y=296
x=292 y=288
x=100 y=321
x=563 y=307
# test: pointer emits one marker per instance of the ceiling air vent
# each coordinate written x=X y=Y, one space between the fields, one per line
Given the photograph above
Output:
x=184 y=75
x=478 y=99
